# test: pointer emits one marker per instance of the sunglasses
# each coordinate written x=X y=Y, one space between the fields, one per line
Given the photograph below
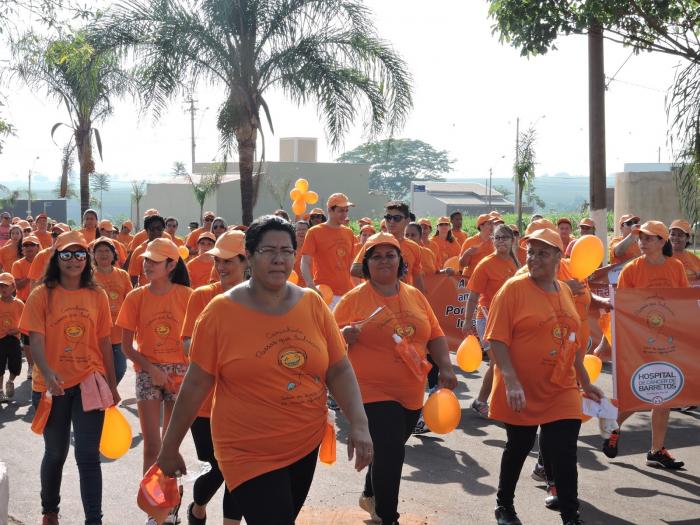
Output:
x=79 y=255
x=29 y=244
x=316 y=216
x=219 y=227
x=631 y=223
x=208 y=219
x=394 y=218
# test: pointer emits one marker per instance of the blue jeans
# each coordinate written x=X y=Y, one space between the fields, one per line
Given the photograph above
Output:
x=119 y=362
x=87 y=430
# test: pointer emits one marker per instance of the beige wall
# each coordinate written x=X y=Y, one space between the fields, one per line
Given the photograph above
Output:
x=650 y=195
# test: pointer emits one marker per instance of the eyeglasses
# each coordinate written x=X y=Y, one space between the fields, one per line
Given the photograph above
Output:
x=394 y=218
x=219 y=227
x=79 y=255
x=271 y=253
x=389 y=257
x=499 y=238
x=631 y=223
x=29 y=244
x=540 y=254
x=208 y=219
x=316 y=216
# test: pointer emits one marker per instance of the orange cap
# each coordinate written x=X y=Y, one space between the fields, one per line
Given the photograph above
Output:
x=497 y=220
x=443 y=220
x=628 y=217
x=7 y=278
x=229 y=244
x=151 y=211
x=31 y=239
x=128 y=225
x=206 y=235
x=15 y=220
x=655 y=228
x=209 y=214
x=364 y=220
x=494 y=214
x=70 y=238
x=338 y=199
x=106 y=224
x=161 y=249
x=41 y=216
x=540 y=224
x=587 y=221
x=514 y=229
x=483 y=218
x=561 y=220
x=368 y=228
x=546 y=236
x=425 y=222
x=62 y=227
x=23 y=224
x=381 y=238
x=105 y=240
x=317 y=211
x=681 y=225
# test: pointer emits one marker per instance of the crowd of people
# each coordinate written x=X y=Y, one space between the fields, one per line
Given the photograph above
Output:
x=331 y=307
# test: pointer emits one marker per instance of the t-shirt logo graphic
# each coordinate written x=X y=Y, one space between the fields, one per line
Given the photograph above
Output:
x=162 y=329
x=405 y=331
x=292 y=358
x=655 y=319
x=74 y=330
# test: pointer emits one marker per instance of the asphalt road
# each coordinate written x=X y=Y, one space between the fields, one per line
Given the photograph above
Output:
x=447 y=480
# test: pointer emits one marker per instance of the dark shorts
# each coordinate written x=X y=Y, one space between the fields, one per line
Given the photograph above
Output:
x=10 y=355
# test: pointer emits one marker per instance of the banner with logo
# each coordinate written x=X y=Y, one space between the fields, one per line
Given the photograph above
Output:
x=447 y=294
x=656 y=350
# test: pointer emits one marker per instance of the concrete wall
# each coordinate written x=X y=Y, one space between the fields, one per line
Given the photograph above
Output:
x=425 y=205
x=651 y=195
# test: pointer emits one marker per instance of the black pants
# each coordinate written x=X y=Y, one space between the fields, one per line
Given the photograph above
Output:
x=433 y=373
x=390 y=426
x=206 y=485
x=10 y=355
x=275 y=498
x=558 y=445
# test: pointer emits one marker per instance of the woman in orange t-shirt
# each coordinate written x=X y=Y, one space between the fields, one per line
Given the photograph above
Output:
x=530 y=325
x=269 y=411
x=68 y=321
x=20 y=268
x=153 y=313
x=487 y=278
x=200 y=268
x=117 y=284
x=446 y=243
x=680 y=240
x=391 y=392
x=655 y=268
x=12 y=250
x=90 y=228
x=231 y=264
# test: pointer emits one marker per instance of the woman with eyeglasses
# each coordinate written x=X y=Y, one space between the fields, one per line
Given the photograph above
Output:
x=12 y=250
x=447 y=245
x=537 y=374
x=655 y=268
x=218 y=226
x=117 y=284
x=68 y=321
x=269 y=410
x=624 y=247
x=392 y=394
x=90 y=228
x=680 y=240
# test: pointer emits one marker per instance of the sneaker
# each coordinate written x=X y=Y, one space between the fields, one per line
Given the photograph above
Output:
x=481 y=408
x=10 y=388
x=50 y=519
x=539 y=474
x=552 y=500
x=663 y=459
x=577 y=521
x=421 y=427
x=610 y=444
x=332 y=405
x=29 y=371
x=367 y=504
x=3 y=397
x=194 y=520
x=685 y=410
x=151 y=521
x=507 y=515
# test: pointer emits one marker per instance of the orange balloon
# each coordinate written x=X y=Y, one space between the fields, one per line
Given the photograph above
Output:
x=442 y=412
x=593 y=366
x=302 y=185
x=311 y=197
x=295 y=194
x=326 y=292
x=469 y=354
x=183 y=252
x=293 y=277
x=586 y=256
x=299 y=206
x=606 y=327
x=116 y=434
x=452 y=262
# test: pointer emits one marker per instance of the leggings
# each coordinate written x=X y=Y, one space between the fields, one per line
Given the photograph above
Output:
x=390 y=426
x=206 y=485
x=119 y=362
x=558 y=445
x=67 y=410
x=433 y=374
x=275 y=498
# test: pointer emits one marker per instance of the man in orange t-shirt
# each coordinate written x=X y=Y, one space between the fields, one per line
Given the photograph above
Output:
x=327 y=253
x=477 y=247
x=171 y=225
x=624 y=247
x=41 y=223
x=456 y=221
x=193 y=237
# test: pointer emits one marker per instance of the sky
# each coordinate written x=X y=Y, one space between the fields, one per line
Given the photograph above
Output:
x=469 y=89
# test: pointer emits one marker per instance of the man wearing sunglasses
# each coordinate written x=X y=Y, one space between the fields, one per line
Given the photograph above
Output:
x=193 y=237
x=624 y=247
x=316 y=217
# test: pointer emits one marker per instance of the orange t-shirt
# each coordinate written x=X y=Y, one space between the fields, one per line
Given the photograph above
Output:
x=40 y=264
x=72 y=323
x=433 y=246
x=10 y=314
x=522 y=254
x=640 y=274
x=121 y=252
x=297 y=268
x=331 y=250
x=484 y=249
x=178 y=242
x=487 y=278
x=632 y=251
x=125 y=239
x=582 y=302
x=691 y=263
x=89 y=234
x=199 y=299
x=428 y=261
x=44 y=239
x=156 y=321
x=117 y=285
x=200 y=269
x=136 y=263
x=411 y=255
x=446 y=249
x=193 y=237
x=20 y=270
x=381 y=373
x=8 y=255
x=460 y=236
x=533 y=324
x=138 y=239
x=269 y=406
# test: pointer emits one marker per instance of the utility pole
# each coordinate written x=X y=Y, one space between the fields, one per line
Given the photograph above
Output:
x=192 y=110
x=29 y=194
x=518 y=200
x=490 y=181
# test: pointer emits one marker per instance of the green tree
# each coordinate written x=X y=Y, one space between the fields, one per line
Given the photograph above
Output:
x=202 y=185
x=86 y=80
x=524 y=169
x=532 y=199
x=99 y=183
x=394 y=163
x=138 y=191
x=506 y=192
x=326 y=53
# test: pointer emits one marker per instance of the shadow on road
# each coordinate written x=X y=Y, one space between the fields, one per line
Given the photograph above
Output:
x=677 y=478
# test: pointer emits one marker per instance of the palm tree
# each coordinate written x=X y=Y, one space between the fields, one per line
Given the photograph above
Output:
x=524 y=169
x=138 y=191
x=203 y=185
x=320 y=51
x=100 y=183
x=85 y=79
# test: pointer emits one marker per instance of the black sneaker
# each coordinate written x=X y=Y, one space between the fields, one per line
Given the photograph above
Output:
x=662 y=459
x=610 y=444
x=552 y=500
x=577 y=521
x=192 y=519
x=507 y=515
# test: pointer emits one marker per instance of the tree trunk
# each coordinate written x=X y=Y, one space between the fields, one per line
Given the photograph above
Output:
x=87 y=164
x=519 y=202
x=138 y=214
x=246 y=139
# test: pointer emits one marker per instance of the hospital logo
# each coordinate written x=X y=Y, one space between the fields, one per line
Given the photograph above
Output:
x=657 y=382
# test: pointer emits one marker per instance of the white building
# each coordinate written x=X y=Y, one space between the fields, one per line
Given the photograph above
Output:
x=443 y=198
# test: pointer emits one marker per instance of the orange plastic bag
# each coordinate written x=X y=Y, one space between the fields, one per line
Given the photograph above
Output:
x=157 y=494
x=43 y=410
x=408 y=353
x=327 y=451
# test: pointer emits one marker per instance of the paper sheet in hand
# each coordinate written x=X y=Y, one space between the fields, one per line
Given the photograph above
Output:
x=605 y=409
